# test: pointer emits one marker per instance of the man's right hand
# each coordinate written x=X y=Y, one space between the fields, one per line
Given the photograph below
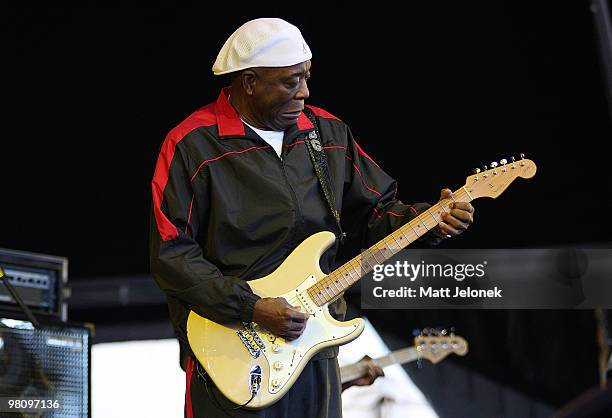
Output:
x=279 y=317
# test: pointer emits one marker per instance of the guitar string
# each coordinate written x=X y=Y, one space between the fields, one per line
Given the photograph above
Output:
x=328 y=280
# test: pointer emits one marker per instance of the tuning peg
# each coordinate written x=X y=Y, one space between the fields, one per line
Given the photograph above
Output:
x=452 y=331
x=416 y=332
x=476 y=170
x=443 y=332
x=503 y=161
x=522 y=156
x=485 y=167
x=494 y=164
x=512 y=158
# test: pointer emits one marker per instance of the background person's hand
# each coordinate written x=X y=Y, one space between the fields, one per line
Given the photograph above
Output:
x=373 y=372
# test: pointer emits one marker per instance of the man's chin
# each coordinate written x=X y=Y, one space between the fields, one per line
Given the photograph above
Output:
x=284 y=122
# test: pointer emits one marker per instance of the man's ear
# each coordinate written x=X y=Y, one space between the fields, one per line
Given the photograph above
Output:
x=248 y=80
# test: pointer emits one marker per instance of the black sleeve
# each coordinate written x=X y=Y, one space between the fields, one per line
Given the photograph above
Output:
x=176 y=259
x=371 y=194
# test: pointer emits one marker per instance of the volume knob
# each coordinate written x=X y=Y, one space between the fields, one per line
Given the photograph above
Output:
x=275 y=383
x=278 y=365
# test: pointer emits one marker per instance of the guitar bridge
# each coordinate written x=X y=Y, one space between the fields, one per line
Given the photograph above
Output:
x=251 y=340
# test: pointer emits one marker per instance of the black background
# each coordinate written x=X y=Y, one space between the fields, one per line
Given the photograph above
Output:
x=430 y=89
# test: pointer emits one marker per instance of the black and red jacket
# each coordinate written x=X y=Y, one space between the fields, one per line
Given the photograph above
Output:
x=227 y=209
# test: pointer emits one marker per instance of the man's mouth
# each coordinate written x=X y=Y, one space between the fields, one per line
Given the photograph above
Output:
x=292 y=114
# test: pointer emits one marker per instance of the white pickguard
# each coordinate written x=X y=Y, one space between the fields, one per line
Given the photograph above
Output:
x=284 y=357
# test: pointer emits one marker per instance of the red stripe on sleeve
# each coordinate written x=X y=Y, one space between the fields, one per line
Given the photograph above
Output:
x=202 y=117
x=166 y=229
x=361 y=177
x=188 y=407
x=190 y=211
x=362 y=152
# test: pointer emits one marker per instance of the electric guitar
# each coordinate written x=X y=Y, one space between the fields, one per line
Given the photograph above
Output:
x=253 y=367
x=432 y=348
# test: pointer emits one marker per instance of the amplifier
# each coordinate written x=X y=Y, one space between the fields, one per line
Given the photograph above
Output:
x=52 y=363
x=39 y=279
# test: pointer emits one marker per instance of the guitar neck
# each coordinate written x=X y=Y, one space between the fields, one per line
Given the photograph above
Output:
x=355 y=371
x=338 y=281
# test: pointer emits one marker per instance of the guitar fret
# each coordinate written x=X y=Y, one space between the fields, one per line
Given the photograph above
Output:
x=319 y=292
x=397 y=248
x=366 y=260
x=436 y=220
x=373 y=253
x=402 y=236
x=362 y=267
x=398 y=244
x=413 y=230
x=388 y=247
x=325 y=291
x=432 y=212
x=422 y=223
x=314 y=297
x=350 y=271
x=335 y=282
x=346 y=275
x=468 y=193
x=351 y=274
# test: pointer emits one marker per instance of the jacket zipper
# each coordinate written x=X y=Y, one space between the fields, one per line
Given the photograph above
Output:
x=298 y=212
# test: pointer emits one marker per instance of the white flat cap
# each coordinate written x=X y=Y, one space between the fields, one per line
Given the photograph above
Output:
x=266 y=42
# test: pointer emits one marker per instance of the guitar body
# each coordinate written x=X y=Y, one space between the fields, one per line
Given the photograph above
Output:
x=231 y=357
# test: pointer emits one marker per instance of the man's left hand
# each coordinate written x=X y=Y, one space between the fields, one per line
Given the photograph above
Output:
x=460 y=217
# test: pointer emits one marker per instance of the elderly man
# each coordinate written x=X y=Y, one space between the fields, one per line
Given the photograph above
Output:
x=234 y=192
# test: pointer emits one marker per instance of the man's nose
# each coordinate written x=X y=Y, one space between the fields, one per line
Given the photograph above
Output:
x=302 y=93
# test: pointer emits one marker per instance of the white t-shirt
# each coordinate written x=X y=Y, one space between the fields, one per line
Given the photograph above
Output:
x=274 y=138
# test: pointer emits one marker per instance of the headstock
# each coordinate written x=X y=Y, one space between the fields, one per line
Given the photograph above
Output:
x=436 y=347
x=494 y=180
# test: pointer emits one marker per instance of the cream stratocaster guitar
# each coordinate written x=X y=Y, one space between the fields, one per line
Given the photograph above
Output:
x=255 y=368
x=432 y=348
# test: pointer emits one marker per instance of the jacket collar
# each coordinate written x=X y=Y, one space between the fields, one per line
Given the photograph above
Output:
x=229 y=123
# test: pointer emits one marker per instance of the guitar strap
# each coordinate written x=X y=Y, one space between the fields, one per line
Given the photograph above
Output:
x=319 y=162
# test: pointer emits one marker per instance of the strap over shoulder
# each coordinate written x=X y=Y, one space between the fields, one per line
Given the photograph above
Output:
x=319 y=162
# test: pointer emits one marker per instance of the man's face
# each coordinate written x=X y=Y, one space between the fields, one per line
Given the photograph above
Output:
x=278 y=95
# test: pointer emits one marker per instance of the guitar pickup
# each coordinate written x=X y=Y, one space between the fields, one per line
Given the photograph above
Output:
x=251 y=340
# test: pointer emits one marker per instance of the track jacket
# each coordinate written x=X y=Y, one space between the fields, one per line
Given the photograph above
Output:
x=227 y=209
